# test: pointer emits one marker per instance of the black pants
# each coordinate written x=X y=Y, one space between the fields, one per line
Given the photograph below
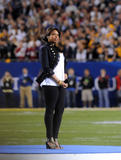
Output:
x=8 y=99
x=54 y=98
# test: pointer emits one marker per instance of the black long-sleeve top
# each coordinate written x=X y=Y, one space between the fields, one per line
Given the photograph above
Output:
x=87 y=82
x=49 y=57
x=103 y=82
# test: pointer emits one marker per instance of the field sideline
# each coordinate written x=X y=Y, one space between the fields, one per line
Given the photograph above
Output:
x=82 y=109
x=97 y=126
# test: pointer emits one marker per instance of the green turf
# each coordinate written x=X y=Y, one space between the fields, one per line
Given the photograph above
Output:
x=26 y=127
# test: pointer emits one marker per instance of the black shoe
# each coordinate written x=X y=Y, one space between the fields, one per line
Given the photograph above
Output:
x=50 y=145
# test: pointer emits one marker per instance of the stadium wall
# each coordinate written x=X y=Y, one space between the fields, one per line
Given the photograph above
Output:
x=15 y=68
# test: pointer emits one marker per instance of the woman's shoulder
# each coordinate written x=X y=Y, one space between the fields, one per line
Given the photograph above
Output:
x=44 y=47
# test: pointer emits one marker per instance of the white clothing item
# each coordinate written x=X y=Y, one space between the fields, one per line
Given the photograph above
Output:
x=2 y=5
x=58 y=71
x=110 y=51
x=97 y=2
x=94 y=15
x=81 y=56
x=30 y=44
x=104 y=30
x=38 y=43
x=22 y=51
x=106 y=42
x=20 y=35
x=72 y=45
x=71 y=8
x=118 y=8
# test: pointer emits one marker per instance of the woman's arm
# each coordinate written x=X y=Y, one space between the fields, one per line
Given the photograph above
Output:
x=61 y=83
x=44 y=58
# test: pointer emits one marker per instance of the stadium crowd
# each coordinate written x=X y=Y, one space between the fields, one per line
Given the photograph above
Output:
x=91 y=28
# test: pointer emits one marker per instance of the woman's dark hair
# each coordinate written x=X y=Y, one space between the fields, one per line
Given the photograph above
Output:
x=49 y=31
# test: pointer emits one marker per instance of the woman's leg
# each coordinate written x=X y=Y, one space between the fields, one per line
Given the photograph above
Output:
x=51 y=96
x=59 y=109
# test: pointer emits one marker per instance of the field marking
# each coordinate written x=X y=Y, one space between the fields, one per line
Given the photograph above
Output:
x=22 y=109
x=107 y=122
x=27 y=113
x=68 y=109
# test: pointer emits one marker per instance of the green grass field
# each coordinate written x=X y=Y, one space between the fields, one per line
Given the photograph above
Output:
x=79 y=127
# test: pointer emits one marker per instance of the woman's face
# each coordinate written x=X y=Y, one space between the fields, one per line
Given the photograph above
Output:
x=53 y=37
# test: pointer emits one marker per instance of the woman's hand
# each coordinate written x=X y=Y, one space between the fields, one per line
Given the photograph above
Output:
x=64 y=85
x=61 y=83
x=65 y=76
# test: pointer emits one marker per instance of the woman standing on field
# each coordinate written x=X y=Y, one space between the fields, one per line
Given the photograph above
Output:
x=52 y=80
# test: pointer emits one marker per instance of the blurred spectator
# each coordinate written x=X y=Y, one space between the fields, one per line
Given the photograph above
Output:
x=70 y=48
x=71 y=7
x=103 y=85
x=21 y=49
x=71 y=90
x=87 y=84
x=81 y=54
x=3 y=44
x=32 y=48
x=118 y=7
x=7 y=89
x=118 y=48
x=118 y=87
x=25 y=82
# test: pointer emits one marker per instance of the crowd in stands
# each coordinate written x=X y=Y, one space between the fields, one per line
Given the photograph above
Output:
x=91 y=29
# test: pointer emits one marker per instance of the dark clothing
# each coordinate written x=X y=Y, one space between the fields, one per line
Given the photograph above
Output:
x=70 y=52
x=103 y=82
x=9 y=100
x=87 y=82
x=54 y=98
x=7 y=89
x=7 y=86
x=71 y=81
x=49 y=58
x=70 y=92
